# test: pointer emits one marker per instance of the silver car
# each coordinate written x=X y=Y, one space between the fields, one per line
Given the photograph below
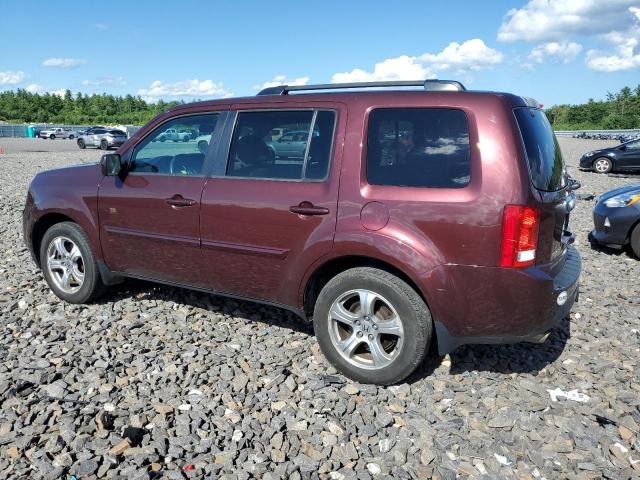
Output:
x=103 y=138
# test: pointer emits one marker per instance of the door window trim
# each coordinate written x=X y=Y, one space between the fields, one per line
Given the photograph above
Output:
x=209 y=157
x=222 y=158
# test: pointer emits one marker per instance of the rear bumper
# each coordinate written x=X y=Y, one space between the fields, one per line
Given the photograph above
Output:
x=508 y=305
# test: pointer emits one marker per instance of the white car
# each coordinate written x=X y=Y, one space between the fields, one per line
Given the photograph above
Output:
x=203 y=143
x=54 y=133
x=175 y=135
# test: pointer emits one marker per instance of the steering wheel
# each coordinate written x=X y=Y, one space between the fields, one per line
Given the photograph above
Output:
x=181 y=167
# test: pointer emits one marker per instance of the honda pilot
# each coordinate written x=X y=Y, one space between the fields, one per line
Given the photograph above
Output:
x=407 y=217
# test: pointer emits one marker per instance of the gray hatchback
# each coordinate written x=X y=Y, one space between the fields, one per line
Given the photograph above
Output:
x=103 y=138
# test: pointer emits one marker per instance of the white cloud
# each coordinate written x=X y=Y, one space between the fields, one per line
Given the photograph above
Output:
x=186 y=88
x=458 y=58
x=625 y=57
x=34 y=88
x=564 y=52
x=470 y=55
x=37 y=88
x=11 y=78
x=282 y=80
x=548 y=20
x=105 y=82
x=63 y=62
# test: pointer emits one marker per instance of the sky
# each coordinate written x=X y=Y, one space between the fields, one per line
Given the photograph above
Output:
x=557 y=51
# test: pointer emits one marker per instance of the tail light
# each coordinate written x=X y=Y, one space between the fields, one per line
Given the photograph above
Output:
x=519 y=236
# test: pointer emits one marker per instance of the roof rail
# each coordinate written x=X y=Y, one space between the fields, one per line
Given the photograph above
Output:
x=428 y=85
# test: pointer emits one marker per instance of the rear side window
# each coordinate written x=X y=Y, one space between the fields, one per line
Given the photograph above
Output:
x=418 y=147
x=543 y=152
x=277 y=145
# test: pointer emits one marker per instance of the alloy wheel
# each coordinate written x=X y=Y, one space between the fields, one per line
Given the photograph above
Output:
x=65 y=264
x=365 y=329
x=602 y=165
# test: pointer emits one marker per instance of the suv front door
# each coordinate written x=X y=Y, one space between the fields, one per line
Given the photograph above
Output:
x=265 y=220
x=149 y=220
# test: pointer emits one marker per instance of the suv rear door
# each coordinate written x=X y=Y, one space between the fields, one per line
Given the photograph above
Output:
x=266 y=218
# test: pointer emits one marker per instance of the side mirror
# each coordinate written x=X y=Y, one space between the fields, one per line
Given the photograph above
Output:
x=111 y=164
x=622 y=147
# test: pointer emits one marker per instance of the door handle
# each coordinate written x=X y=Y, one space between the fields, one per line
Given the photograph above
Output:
x=307 y=208
x=179 y=201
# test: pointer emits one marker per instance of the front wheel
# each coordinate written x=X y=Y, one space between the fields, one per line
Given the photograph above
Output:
x=81 y=144
x=52 y=137
x=71 y=137
x=203 y=146
x=635 y=240
x=104 y=145
x=602 y=165
x=372 y=326
x=69 y=265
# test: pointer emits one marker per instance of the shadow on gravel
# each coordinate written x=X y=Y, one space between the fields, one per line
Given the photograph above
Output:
x=513 y=358
x=141 y=290
x=612 y=252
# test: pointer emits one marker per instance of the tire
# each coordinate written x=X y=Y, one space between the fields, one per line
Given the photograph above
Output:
x=71 y=137
x=185 y=138
x=602 y=165
x=635 y=240
x=52 y=136
x=203 y=146
x=81 y=144
x=404 y=311
x=162 y=139
x=104 y=145
x=65 y=236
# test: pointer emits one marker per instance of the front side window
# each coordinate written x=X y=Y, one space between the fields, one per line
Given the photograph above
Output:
x=177 y=147
x=633 y=145
x=277 y=145
x=418 y=147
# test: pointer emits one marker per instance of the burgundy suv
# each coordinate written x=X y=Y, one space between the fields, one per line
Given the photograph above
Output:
x=407 y=214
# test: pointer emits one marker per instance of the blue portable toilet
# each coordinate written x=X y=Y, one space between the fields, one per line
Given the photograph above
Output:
x=31 y=131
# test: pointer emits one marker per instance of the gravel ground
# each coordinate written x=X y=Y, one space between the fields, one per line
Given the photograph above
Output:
x=158 y=382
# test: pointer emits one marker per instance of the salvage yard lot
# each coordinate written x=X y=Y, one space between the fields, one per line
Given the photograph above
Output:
x=220 y=386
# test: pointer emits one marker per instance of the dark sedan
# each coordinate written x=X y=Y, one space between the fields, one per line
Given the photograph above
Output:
x=625 y=156
x=616 y=218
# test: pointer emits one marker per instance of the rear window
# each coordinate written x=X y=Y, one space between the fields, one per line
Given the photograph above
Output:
x=418 y=147
x=543 y=152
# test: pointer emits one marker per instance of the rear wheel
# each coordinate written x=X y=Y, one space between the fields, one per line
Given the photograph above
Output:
x=203 y=146
x=635 y=240
x=71 y=136
x=81 y=144
x=372 y=326
x=602 y=165
x=69 y=265
x=104 y=145
x=52 y=136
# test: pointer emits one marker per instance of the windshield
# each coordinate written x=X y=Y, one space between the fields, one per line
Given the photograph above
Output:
x=543 y=152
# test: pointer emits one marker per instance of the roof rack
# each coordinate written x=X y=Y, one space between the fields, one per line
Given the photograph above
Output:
x=429 y=86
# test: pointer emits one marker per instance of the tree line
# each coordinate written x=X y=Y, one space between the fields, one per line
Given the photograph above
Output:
x=617 y=111
x=21 y=106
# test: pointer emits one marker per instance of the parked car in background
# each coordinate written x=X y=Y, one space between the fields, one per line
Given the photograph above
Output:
x=102 y=138
x=90 y=130
x=174 y=135
x=616 y=219
x=452 y=219
x=625 y=156
x=291 y=144
x=53 y=133
x=203 y=143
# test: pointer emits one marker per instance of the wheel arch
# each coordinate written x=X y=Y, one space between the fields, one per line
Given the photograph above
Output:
x=41 y=226
x=334 y=266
